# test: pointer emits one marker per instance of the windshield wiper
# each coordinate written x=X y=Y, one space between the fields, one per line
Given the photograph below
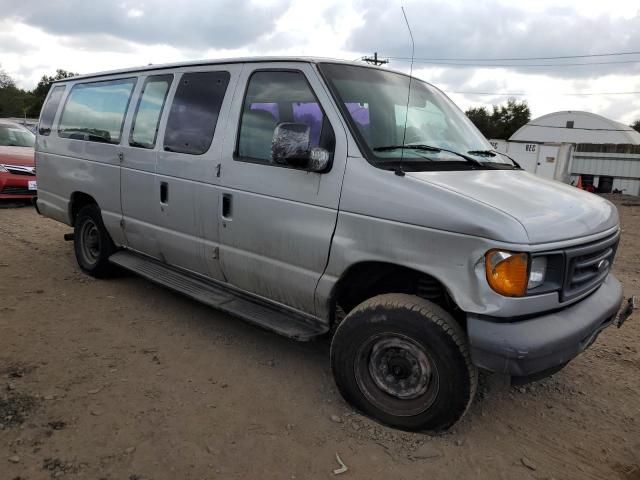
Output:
x=493 y=153
x=511 y=158
x=482 y=153
x=429 y=148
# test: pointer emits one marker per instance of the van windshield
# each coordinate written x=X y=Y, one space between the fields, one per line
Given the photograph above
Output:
x=374 y=102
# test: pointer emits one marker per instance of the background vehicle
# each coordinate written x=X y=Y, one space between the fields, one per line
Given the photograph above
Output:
x=289 y=192
x=17 y=167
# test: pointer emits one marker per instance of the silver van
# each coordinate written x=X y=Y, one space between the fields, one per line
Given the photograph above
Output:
x=319 y=198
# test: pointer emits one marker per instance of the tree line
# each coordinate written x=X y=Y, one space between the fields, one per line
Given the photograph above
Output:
x=502 y=121
x=18 y=102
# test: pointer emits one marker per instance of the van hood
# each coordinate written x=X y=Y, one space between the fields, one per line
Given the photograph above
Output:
x=548 y=210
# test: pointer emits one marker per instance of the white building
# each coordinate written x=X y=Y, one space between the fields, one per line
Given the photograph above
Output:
x=565 y=145
x=576 y=127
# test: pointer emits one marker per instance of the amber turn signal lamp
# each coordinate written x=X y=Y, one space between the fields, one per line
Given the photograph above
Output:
x=507 y=272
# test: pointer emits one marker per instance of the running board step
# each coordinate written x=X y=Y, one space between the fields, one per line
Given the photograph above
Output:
x=290 y=324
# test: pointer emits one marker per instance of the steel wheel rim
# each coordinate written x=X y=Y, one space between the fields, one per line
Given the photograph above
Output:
x=396 y=374
x=90 y=242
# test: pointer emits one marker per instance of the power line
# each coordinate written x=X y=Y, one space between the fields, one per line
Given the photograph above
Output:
x=563 y=57
x=604 y=93
x=519 y=94
x=523 y=65
x=505 y=94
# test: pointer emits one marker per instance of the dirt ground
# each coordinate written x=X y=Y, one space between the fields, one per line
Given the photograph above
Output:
x=121 y=379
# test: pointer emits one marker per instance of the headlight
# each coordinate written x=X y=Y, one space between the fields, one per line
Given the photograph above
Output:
x=2 y=169
x=507 y=272
x=537 y=272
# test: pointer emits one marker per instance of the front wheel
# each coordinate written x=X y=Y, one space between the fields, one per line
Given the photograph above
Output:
x=92 y=244
x=404 y=361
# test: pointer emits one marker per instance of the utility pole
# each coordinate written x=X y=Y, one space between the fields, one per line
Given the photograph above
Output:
x=375 y=60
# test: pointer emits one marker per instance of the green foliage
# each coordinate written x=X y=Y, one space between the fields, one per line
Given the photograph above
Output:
x=636 y=125
x=481 y=118
x=42 y=89
x=15 y=102
x=6 y=80
x=503 y=121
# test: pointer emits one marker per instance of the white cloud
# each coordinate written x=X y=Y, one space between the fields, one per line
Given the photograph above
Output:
x=135 y=13
x=37 y=38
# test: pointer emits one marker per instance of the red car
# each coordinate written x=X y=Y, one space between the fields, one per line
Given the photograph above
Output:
x=17 y=166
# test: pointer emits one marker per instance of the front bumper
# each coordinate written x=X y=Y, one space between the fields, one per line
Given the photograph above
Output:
x=531 y=346
x=16 y=186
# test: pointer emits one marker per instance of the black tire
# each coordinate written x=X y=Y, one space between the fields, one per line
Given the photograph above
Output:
x=404 y=361
x=92 y=244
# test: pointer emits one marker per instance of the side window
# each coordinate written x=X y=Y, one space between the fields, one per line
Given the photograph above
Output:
x=274 y=97
x=194 y=112
x=95 y=111
x=147 y=117
x=49 y=110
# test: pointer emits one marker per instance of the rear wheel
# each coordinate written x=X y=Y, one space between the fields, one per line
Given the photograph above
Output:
x=404 y=361
x=92 y=244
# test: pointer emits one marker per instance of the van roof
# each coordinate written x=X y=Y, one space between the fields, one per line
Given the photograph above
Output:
x=199 y=63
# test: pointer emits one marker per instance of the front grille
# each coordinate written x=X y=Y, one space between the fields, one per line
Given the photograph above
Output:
x=587 y=266
x=17 y=191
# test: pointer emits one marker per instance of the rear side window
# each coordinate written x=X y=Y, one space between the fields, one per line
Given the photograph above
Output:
x=49 y=110
x=194 y=112
x=95 y=111
x=149 y=110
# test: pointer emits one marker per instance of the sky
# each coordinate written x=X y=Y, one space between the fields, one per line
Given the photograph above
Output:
x=38 y=37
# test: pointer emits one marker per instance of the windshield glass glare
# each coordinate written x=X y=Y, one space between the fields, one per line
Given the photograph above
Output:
x=376 y=101
x=16 y=137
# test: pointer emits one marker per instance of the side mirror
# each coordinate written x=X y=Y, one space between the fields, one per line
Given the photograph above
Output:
x=291 y=146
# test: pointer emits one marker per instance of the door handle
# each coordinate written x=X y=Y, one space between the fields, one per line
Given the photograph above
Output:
x=227 y=209
x=164 y=193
